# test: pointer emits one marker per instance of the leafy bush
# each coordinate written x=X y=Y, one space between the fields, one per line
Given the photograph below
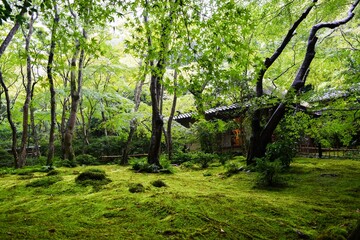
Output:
x=101 y=146
x=36 y=161
x=68 y=163
x=44 y=182
x=181 y=157
x=203 y=159
x=233 y=168
x=158 y=183
x=200 y=158
x=6 y=159
x=92 y=177
x=136 y=188
x=282 y=150
x=269 y=172
x=86 y=159
x=208 y=132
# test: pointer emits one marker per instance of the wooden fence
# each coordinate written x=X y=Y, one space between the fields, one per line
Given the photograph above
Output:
x=351 y=153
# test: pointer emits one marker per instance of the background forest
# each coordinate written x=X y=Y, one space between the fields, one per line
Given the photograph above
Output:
x=104 y=78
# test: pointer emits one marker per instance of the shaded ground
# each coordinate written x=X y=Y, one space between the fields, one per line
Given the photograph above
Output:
x=322 y=198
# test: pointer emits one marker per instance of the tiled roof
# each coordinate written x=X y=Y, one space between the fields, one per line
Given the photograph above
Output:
x=211 y=111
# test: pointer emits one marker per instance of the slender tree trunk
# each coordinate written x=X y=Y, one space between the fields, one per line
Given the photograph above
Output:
x=51 y=146
x=11 y=122
x=3 y=47
x=171 y=117
x=25 y=123
x=133 y=122
x=75 y=85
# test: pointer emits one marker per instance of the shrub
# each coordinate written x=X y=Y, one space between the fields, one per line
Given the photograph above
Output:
x=86 y=159
x=158 y=183
x=269 y=172
x=203 y=159
x=181 y=157
x=136 y=188
x=6 y=159
x=68 y=163
x=36 y=161
x=233 y=168
x=282 y=150
x=110 y=145
x=44 y=182
x=53 y=172
x=92 y=177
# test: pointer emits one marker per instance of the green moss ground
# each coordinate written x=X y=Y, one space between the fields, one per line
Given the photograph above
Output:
x=322 y=197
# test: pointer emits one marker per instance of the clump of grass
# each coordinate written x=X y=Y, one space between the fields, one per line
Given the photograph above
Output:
x=269 y=173
x=53 y=173
x=136 y=188
x=44 y=182
x=92 y=177
x=159 y=183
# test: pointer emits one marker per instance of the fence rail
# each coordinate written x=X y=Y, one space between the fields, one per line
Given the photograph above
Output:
x=351 y=153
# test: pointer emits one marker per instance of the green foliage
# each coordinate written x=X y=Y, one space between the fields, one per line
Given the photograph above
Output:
x=6 y=159
x=282 y=150
x=208 y=133
x=269 y=173
x=102 y=146
x=233 y=168
x=204 y=159
x=199 y=158
x=92 y=177
x=44 y=181
x=136 y=188
x=68 y=163
x=141 y=165
x=86 y=159
x=158 y=183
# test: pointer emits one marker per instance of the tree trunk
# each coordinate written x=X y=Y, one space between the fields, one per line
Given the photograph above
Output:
x=157 y=73
x=3 y=47
x=133 y=122
x=299 y=81
x=28 y=97
x=171 y=117
x=75 y=87
x=51 y=146
x=9 y=117
x=258 y=143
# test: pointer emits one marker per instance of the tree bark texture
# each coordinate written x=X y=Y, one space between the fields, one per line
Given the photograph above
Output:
x=49 y=70
x=133 y=122
x=171 y=117
x=28 y=97
x=258 y=143
x=298 y=83
x=157 y=73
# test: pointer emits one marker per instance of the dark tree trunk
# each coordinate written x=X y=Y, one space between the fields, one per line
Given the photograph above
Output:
x=157 y=121
x=28 y=97
x=11 y=122
x=51 y=146
x=157 y=73
x=3 y=47
x=298 y=83
x=258 y=143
